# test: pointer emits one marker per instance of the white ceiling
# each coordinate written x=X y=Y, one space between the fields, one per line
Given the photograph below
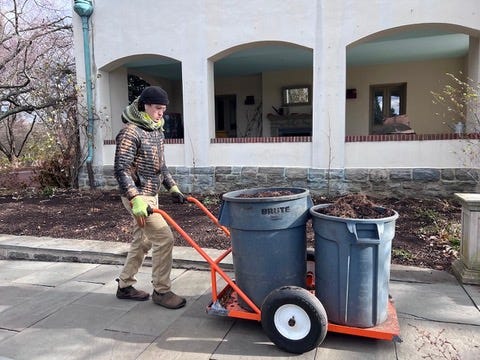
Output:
x=409 y=46
x=400 y=47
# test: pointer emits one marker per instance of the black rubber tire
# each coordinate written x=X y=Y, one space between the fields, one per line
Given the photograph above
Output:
x=278 y=319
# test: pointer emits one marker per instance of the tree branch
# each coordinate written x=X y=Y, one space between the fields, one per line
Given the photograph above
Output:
x=29 y=107
x=25 y=138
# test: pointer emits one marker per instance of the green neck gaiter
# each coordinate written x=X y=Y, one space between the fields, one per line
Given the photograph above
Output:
x=132 y=115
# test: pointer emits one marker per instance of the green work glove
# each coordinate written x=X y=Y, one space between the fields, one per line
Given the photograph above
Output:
x=139 y=207
x=177 y=195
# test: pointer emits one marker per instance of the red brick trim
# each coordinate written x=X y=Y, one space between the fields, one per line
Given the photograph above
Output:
x=174 y=141
x=167 y=141
x=409 y=137
x=348 y=138
x=276 y=139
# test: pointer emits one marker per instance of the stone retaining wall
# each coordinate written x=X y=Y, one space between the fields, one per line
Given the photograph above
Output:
x=426 y=182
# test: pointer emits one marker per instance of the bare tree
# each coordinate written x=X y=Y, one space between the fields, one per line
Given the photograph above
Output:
x=459 y=103
x=14 y=133
x=37 y=80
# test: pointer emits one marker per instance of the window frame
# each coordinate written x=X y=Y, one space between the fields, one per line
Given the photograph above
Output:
x=387 y=90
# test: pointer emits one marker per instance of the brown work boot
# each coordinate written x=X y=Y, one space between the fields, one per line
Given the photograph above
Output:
x=168 y=300
x=130 y=293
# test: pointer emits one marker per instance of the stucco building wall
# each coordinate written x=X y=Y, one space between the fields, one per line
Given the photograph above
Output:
x=199 y=32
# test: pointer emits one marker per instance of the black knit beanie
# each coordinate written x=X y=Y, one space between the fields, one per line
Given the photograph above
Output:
x=154 y=95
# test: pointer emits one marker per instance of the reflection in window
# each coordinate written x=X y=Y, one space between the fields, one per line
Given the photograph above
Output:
x=298 y=95
x=387 y=101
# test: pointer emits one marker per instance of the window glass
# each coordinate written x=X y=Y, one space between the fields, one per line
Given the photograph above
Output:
x=395 y=98
x=378 y=107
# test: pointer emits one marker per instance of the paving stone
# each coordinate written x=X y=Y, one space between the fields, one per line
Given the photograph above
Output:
x=423 y=301
x=108 y=345
x=7 y=275
x=5 y=334
x=22 y=265
x=101 y=274
x=339 y=346
x=27 y=313
x=247 y=340
x=106 y=296
x=69 y=330
x=151 y=319
x=12 y=295
x=473 y=292
x=55 y=274
x=194 y=335
x=420 y=275
x=434 y=340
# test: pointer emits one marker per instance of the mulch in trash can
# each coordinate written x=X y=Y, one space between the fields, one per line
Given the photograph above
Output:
x=267 y=193
x=356 y=206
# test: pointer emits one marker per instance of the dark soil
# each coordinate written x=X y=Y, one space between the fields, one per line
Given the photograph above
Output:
x=427 y=230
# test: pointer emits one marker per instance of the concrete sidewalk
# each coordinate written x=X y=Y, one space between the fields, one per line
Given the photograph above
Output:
x=62 y=305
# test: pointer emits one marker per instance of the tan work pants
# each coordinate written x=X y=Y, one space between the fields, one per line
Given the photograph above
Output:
x=155 y=235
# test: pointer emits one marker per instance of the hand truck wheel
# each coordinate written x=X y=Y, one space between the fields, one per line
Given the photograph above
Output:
x=294 y=319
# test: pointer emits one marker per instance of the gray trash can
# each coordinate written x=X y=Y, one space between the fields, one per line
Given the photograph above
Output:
x=268 y=238
x=352 y=267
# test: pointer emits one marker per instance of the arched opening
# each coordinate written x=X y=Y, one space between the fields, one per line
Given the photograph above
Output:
x=391 y=76
x=129 y=76
x=263 y=89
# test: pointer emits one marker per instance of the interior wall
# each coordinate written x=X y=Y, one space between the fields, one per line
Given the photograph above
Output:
x=422 y=78
x=241 y=86
x=118 y=98
x=273 y=82
x=267 y=89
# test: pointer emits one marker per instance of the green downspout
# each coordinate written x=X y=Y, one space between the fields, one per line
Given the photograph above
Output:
x=84 y=8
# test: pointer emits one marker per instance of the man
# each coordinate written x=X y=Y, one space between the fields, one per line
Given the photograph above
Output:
x=140 y=170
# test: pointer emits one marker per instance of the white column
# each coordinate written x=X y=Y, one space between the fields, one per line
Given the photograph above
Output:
x=329 y=76
x=198 y=97
x=473 y=74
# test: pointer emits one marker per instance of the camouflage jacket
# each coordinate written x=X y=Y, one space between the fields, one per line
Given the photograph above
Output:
x=140 y=166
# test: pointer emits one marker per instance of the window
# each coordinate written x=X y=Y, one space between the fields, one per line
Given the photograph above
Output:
x=386 y=101
x=296 y=95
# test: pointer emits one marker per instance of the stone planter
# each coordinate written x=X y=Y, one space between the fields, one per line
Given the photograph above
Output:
x=467 y=268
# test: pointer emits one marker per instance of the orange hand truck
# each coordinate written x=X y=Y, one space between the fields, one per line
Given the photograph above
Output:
x=292 y=317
